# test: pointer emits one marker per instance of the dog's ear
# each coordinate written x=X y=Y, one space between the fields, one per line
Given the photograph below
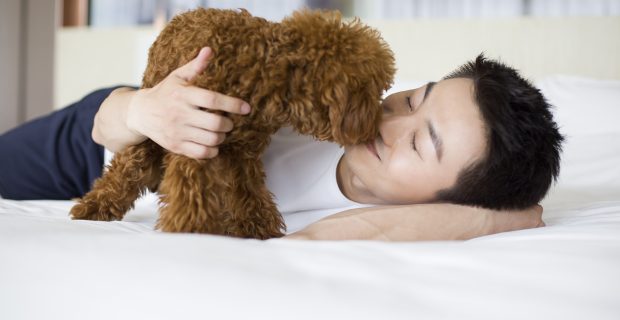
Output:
x=354 y=107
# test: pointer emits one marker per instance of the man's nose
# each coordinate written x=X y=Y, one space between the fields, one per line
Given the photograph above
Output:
x=395 y=128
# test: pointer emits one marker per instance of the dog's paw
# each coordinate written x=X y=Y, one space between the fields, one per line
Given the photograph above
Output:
x=263 y=229
x=268 y=233
x=88 y=210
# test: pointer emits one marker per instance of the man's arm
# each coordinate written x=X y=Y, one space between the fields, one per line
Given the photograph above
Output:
x=418 y=222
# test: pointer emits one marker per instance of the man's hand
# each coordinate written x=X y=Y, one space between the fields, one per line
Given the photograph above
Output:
x=503 y=221
x=418 y=223
x=176 y=115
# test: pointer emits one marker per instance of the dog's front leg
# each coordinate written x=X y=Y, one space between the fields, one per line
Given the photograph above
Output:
x=223 y=196
x=251 y=207
x=186 y=196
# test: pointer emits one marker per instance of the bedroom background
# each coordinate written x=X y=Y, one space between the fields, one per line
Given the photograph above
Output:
x=54 y=52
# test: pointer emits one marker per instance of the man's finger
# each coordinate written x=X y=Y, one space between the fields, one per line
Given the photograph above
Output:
x=213 y=100
x=209 y=121
x=193 y=68
x=197 y=151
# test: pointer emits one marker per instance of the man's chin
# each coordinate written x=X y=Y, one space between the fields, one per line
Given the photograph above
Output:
x=358 y=184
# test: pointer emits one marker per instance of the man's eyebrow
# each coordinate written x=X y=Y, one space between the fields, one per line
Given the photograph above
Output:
x=437 y=142
x=427 y=91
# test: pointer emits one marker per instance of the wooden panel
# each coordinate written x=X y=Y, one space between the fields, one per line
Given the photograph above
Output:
x=74 y=13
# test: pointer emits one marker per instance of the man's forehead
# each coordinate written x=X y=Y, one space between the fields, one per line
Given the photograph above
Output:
x=456 y=118
x=460 y=84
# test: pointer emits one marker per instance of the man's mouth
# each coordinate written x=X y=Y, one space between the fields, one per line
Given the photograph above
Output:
x=373 y=149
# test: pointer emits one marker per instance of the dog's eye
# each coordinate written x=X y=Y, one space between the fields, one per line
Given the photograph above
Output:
x=413 y=143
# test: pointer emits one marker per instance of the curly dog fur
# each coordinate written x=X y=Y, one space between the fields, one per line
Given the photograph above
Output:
x=312 y=71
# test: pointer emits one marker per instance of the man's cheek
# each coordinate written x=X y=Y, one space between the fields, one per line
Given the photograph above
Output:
x=403 y=166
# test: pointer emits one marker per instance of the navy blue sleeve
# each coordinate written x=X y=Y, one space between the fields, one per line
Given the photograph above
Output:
x=53 y=157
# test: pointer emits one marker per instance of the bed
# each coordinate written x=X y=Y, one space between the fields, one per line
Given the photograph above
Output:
x=54 y=268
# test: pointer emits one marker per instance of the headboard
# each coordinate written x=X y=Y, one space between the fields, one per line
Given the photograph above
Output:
x=87 y=59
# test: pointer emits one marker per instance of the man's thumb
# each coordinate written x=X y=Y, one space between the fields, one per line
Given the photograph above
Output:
x=193 y=68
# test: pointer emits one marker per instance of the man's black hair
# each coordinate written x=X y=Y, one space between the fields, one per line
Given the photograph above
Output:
x=522 y=156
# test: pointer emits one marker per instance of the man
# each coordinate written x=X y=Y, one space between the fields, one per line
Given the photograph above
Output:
x=449 y=155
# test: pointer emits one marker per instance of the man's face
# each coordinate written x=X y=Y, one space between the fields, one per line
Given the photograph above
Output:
x=427 y=136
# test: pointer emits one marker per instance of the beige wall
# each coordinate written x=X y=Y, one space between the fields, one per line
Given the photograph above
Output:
x=90 y=58
x=538 y=47
x=87 y=59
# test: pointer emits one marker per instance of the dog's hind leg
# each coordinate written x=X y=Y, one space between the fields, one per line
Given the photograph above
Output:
x=130 y=173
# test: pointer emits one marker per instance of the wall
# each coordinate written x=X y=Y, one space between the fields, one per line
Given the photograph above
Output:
x=26 y=59
x=429 y=49
x=10 y=20
x=87 y=59
x=90 y=58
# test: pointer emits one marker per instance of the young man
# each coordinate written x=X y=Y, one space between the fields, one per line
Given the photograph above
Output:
x=449 y=155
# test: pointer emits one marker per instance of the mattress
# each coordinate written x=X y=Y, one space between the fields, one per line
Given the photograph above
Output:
x=54 y=268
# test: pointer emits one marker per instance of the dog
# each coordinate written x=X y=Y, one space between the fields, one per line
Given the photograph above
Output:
x=312 y=71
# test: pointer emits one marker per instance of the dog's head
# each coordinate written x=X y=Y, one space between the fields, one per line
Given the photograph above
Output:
x=347 y=67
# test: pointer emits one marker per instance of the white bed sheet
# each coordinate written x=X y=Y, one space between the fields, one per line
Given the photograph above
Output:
x=54 y=268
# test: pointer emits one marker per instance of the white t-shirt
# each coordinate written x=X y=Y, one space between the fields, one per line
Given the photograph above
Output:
x=301 y=173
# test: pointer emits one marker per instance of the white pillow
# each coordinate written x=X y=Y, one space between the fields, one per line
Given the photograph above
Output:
x=588 y=113
x=583 y=106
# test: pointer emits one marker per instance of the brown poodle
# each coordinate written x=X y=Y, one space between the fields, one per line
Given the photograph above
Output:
x=322 y=76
